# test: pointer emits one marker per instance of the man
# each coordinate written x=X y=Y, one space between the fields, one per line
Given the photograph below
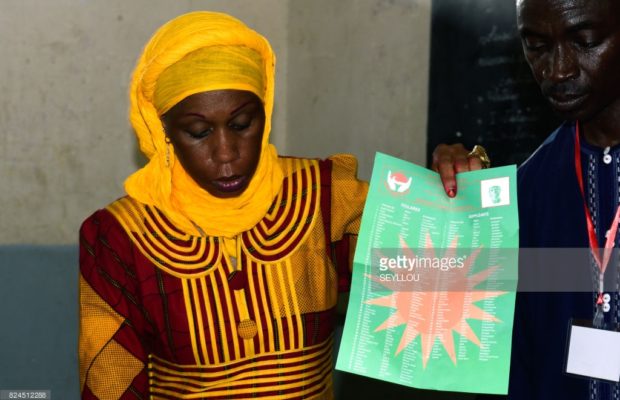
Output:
x=573 y=49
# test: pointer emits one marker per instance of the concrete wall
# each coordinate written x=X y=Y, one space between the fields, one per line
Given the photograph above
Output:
x=358 y=77
x=39 y=314
x=352 y=77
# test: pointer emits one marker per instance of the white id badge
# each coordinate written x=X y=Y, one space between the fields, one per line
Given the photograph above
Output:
x=593 y=353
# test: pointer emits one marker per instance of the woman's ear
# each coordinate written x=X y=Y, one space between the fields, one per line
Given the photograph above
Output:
x=163 y=121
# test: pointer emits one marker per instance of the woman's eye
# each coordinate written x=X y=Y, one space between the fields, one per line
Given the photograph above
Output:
x=240 y=125
x=199 y=134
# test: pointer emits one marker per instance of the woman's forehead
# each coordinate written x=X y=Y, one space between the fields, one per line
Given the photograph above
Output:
x=214 y=101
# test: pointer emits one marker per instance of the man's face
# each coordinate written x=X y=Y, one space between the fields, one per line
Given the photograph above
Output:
x=573 y=49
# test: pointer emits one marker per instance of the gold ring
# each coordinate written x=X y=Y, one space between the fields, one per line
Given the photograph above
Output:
x=480 y=153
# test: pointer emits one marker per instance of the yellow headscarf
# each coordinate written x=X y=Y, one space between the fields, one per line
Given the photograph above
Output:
x=186 y=42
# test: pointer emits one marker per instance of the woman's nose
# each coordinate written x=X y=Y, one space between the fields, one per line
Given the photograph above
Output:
x=225 y=149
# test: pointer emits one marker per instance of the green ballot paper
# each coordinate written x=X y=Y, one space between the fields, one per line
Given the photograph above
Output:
x=434 y=280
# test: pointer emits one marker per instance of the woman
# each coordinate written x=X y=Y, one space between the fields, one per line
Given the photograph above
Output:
x=217 y=276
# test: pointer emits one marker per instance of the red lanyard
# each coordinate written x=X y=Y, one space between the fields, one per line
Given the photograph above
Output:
x=611 y=234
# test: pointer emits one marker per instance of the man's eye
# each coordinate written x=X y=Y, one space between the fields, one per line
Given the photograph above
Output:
x=587 y=43
x=534 y=45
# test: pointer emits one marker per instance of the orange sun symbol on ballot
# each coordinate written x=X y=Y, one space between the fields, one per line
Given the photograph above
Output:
x=440 y=303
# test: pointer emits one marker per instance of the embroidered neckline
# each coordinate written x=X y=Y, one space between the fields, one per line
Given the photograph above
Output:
x=284 y=228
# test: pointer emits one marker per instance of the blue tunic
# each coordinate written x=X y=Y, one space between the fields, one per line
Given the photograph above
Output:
x=551 y=215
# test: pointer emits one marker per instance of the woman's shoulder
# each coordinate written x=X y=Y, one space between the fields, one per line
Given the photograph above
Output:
x=100 y=221
x=111 y=221
x=341 y=163
x=129 y=215
x=103 y=232
x=344 y=166
x=104 y=245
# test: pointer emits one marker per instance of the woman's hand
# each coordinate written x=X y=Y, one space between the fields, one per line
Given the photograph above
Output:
x=449 y=160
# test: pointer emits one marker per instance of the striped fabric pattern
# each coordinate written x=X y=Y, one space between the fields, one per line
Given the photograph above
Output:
x=202 y=318
x=279 y=375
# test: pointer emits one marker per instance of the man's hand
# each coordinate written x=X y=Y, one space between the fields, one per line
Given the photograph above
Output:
x=449 y=160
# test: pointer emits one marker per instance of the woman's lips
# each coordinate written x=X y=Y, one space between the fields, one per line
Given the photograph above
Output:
x=230 y=184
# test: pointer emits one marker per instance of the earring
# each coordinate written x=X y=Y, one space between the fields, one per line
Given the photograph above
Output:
x=167 y=152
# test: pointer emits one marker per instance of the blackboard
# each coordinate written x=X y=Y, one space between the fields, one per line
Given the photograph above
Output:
x=481 y=89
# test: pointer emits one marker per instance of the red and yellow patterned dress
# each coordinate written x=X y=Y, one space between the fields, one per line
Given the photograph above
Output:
x=167 y=315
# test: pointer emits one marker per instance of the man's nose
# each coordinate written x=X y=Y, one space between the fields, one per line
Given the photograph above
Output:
x=561 y=65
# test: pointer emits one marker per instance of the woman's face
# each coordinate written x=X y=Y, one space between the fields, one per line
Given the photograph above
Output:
x=217 y=137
